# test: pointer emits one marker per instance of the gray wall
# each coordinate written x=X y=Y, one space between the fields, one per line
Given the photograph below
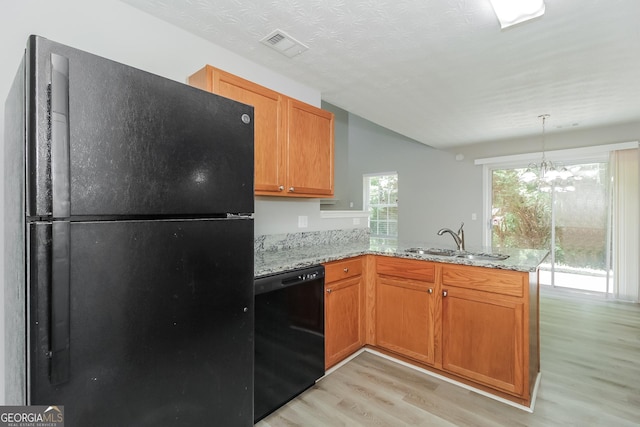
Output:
x=340 y=200
x=434 y=190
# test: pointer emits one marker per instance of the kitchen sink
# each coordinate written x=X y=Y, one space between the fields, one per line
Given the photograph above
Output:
x=457 y=254
x=483 y=257
x=431 y=251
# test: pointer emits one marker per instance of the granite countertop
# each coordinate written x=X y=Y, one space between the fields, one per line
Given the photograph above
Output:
x=289 y=258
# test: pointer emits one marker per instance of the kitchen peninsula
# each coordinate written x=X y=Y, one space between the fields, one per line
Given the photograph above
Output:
x=467 y=319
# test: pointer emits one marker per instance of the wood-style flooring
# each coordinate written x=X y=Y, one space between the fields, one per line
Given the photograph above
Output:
x=590 y=363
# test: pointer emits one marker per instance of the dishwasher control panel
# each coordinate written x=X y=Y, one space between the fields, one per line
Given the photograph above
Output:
x=288 y=278
x=302 y=277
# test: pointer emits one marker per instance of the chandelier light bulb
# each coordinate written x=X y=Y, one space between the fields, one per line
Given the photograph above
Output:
x=528 y=176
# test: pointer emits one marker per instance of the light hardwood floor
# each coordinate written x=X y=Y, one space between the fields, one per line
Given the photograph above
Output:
x=590 y=363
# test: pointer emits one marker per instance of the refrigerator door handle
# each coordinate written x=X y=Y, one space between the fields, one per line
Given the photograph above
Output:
x=60 y=179
x=60 y=306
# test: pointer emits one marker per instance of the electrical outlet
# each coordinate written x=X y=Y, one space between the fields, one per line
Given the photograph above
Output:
x=474 y=217
x=303 y=221
x=356 y=221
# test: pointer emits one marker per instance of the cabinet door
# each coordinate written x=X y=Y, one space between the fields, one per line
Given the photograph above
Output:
x=405 y=317
x=343 y=331
x=310 y=150
x=482 y=338
x=268 y=124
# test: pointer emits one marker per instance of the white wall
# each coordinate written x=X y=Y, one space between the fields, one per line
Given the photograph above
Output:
x=554 y=140
x=117 y=31
x=284 y=215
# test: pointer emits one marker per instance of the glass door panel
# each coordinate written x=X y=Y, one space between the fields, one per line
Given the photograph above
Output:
x=572 y=225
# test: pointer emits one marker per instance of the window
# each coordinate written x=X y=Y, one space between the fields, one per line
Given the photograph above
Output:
x=381 y=201
x=572 y=225
x=579 y=228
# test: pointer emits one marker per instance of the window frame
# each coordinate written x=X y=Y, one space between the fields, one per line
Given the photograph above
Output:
x=366 y=179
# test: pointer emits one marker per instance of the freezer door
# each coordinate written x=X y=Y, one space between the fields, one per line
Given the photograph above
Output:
x=158 y=319
x=126 y=142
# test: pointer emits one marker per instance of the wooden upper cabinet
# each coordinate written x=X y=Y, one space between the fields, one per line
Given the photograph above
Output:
x=269 y=139
x=294 y=141
x=310 y=149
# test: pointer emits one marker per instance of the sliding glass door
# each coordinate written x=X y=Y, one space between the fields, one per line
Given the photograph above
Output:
x=572 y=222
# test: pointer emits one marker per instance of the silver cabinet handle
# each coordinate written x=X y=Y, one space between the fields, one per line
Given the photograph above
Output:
x=445 y=293
x=346 y=269
x=430 y=291
x=281 y=188
x=291 y=189
x=328 y=291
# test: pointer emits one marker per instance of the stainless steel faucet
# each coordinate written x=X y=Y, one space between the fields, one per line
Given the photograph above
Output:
x=458 y=237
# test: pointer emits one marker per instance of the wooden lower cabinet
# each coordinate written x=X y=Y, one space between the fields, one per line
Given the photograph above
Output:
x=473 y=324
x=490 y=327
x=405 y=308
x=344 y=328
x=482 y=338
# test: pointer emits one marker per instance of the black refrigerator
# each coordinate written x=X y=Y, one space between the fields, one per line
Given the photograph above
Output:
x=129 y=245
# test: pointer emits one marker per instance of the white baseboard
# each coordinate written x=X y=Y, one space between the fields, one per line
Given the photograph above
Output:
x=443 y=378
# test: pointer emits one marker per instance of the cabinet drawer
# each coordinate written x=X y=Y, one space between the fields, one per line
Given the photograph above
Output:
x=342 y=269
x=406 y=268
x=503 y=282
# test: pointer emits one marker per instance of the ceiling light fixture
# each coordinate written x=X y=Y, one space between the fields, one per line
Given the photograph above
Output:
x=548 y=176
x=511 y=12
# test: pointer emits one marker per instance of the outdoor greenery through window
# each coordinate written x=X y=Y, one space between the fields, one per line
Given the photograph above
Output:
x=520 y=215
x=381 y=200
x=577 y=221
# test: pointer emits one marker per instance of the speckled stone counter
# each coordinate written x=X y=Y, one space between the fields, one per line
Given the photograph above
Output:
x=277 y=253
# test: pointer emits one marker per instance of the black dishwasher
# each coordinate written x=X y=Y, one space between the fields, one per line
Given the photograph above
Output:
x=289 y=336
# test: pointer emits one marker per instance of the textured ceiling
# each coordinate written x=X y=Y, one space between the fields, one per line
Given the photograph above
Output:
x=441 y=71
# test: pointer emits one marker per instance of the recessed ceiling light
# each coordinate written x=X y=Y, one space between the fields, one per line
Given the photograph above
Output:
x=511 y=12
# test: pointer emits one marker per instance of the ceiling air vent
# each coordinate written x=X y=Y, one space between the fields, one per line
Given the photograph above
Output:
x=284 y=43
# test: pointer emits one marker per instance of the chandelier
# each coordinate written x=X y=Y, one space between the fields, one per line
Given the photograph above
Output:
x=547 y=175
